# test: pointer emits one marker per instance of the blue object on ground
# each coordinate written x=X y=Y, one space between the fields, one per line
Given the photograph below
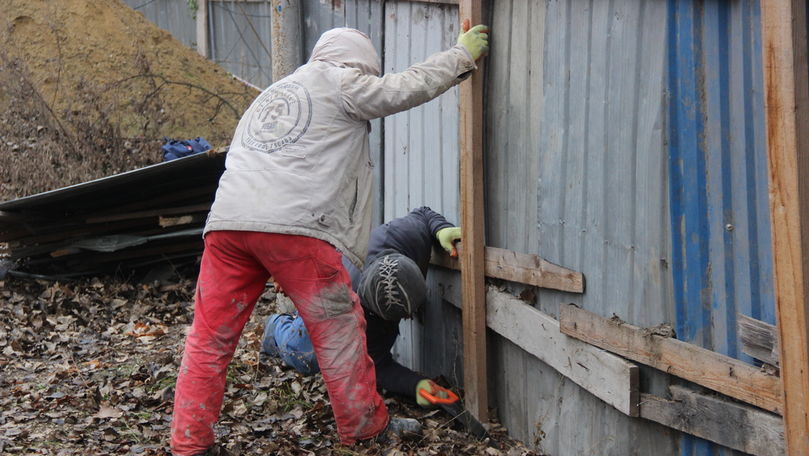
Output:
x=173 y=149
x=285 y=337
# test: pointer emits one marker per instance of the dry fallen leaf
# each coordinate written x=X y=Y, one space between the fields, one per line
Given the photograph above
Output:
x=95 y=384
x=106 y=411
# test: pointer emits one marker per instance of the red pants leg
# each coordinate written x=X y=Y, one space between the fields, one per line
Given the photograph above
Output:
x=312 y=274
x=230 y=281
x=234 y=270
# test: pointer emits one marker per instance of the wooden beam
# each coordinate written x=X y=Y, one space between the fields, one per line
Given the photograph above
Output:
x=472 y=216
x=202 y=28
x=439 y=2
x=786 y=102
x=704 y=367
x=522 y=268
x=610 y=378
x=151 y=213
x=717 y=420
x=187 y=219
x=759 y=339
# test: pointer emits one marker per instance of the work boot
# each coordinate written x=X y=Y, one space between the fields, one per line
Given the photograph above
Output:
x=399 y=429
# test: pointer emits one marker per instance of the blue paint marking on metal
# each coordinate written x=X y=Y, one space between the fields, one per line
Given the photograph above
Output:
x=687 y=173
x=721 y=241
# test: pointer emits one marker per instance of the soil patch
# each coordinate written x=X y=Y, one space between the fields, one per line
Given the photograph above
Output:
x=89 y=88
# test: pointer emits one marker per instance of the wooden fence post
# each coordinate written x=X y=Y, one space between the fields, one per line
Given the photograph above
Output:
x=472 y=215
x=787 y=111
x=202 y=28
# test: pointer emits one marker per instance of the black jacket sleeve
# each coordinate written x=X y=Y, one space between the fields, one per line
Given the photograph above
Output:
x=432 y=219
x=412 y=235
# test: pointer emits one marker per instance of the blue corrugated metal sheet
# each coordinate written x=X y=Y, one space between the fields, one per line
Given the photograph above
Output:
x=721 y=254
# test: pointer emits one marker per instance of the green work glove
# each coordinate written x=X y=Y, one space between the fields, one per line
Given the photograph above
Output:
x=431 y=388
x=447 y=237
x=476 y=40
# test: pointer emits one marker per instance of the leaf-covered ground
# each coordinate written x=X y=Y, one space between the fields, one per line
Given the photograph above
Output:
x=89 y=367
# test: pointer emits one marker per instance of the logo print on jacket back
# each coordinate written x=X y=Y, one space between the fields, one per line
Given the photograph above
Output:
x=281 y=116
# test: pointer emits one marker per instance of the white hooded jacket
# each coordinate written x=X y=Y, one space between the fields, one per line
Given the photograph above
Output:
x=300 y=160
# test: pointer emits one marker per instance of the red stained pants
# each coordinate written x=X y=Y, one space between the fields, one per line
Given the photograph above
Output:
x=235 y=267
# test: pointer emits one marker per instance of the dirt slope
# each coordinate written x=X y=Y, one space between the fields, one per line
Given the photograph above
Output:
x=88 y=88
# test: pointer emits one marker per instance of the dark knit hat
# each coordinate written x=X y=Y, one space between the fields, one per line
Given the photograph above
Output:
x=392 y=286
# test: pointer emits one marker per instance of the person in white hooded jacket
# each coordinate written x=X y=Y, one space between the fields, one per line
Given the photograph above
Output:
x=295 y=195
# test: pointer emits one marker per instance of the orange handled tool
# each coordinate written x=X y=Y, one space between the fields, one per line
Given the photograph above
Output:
x=437 y=398
x=452 y=405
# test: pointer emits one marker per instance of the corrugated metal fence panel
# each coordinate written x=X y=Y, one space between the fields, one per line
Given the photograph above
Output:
x=171 y=15
x=514 y=110
x=421 y=145
x=721 y=238
x=322 y=15
x=601 y=200
x=240 y=39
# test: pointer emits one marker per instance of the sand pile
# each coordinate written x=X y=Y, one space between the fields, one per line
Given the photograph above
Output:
x=89 y=88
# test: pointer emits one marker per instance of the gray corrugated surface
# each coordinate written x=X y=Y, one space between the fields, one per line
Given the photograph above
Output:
x=171 y=15
x=421 y=145
x=240 y=39
x=321 y=15
x=576 y=172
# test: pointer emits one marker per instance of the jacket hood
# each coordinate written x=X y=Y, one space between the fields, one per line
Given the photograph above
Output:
x=347 y=47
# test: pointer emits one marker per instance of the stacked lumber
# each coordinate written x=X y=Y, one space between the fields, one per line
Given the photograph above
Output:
x=129 y=220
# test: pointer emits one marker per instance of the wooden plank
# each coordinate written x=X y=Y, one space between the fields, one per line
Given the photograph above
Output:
x=202 y=28
x=439 y=2
x=786 y=103
x=611 y=378
x=759 y=339
x=151 y=213
x=704 y=367
x=718 y=420
x=521 y=268
x=472 y=216
x=72 y=231
x=181 y=220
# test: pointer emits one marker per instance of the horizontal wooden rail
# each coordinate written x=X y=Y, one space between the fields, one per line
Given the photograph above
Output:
x=521 y=268
x=712 y=370
x=759 y=339
x=718 y=420
x=611 y=378
x=202 y=207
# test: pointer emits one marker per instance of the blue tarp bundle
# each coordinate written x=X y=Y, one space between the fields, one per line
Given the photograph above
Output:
x=173 y=149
